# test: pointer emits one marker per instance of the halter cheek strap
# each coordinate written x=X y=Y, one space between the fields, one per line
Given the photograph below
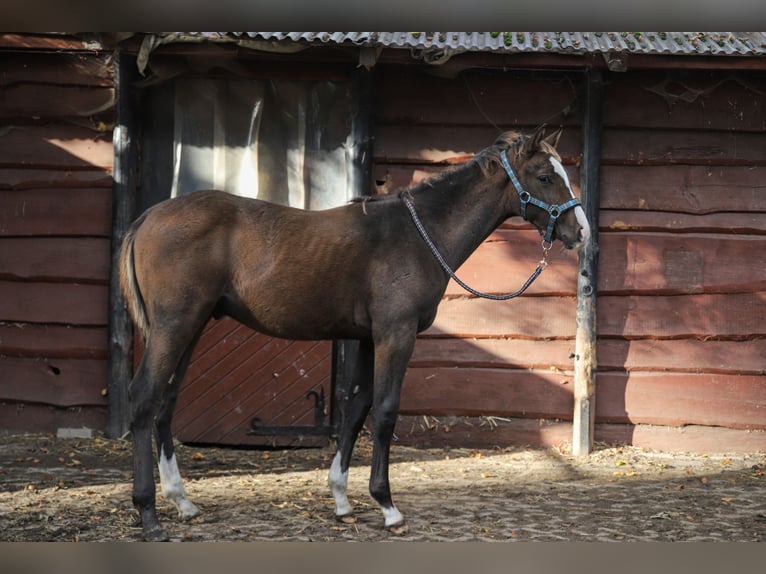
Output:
x=554 y=211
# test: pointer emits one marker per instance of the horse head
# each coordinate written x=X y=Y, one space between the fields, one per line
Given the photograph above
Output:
x=541 y=187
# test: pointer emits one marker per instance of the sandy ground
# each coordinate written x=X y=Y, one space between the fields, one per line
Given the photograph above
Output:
x=54 y=489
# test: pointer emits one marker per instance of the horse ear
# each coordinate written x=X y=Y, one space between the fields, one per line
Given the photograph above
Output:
x=553 y=139
x=532 y=144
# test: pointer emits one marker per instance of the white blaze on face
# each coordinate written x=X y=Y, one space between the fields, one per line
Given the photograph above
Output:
x=579 y=212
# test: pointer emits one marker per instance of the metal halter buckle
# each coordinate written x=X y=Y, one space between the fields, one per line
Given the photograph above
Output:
x=554 y=211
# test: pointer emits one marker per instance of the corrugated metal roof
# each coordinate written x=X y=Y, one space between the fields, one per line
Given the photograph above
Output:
x=676 y=43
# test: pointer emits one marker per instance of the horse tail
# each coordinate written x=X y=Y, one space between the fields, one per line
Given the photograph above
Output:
x=129 y=282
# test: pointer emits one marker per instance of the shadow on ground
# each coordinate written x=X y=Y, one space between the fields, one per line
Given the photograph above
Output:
x=79 y=490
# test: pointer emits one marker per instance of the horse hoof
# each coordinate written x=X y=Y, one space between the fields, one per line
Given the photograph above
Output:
x=188 y=511
x=156 y=534
x=346 y=519
x=399 y=529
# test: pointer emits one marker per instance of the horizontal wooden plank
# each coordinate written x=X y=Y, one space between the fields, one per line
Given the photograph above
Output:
x=93 y=69
x=524 y=317
x=429 y=144
x=433 y=144
x=76 y=211
x=44 y=41
x=72 y=259
x=53 y=341
x=57 y=382
x=677 y=399
x=35 y=102
x=23 y=179
x=734 y=401
x=507 y=259
x=714 y=100
x=185 y=60
x=62 y=303
x=633 y=317
x=690 y=438
x=278 y=441
x=500 y=392
x=33 y=418
x=481 y=432
x=733 y=223
x=684 y=188
x=478 y=97
x=668 y=147
x=662 y=263
x=686 y=356
x=493 y=353
x=735 y=316
x=56 y=146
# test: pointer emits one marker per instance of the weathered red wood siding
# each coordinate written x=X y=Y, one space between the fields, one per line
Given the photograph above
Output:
x=682 y=279
x=56 y=158
x=682 y=269
x=682 y=274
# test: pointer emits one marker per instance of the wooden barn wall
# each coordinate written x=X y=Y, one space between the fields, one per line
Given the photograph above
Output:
x=682 y=275
x=56 y=113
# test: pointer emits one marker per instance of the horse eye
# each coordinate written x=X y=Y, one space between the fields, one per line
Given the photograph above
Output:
x=544 y=178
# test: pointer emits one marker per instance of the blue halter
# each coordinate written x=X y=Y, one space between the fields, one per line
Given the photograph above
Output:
x=554 y=211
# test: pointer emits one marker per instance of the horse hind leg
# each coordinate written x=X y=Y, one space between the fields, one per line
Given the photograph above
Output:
x=354 y=412
x=152 y=392
x=145 y=394
x=171 y=484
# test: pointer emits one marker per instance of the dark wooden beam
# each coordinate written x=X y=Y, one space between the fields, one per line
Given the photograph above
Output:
x=345 y=351
x=586 y=336
x=120 y=346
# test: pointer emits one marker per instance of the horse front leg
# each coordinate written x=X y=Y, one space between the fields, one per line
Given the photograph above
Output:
x=392 y=354
x=356 y=406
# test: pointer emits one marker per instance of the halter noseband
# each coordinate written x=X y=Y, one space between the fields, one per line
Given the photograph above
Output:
x=554 y=211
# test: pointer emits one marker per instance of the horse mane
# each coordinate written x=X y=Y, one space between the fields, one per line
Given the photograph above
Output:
x=487 y=159
x=452 y=175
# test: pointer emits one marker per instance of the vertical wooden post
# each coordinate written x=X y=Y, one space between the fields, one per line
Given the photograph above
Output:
x=120 y=346
x=586 y=335
x=345 y=351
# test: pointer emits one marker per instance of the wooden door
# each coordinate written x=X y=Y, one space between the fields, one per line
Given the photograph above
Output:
x=237 y=374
